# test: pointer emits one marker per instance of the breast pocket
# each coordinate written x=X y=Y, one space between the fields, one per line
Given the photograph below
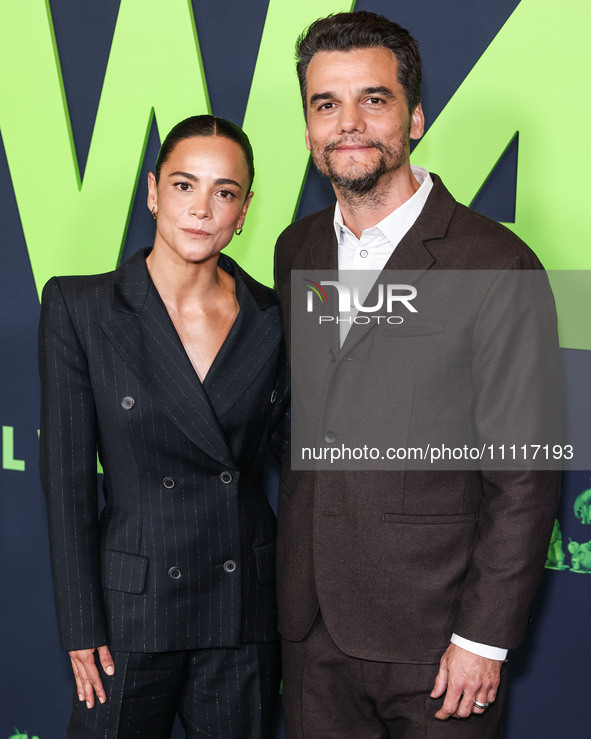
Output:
x=412 y=329
x=427 y=520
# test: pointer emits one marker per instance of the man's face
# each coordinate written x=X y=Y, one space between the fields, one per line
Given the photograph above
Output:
x=359 y=126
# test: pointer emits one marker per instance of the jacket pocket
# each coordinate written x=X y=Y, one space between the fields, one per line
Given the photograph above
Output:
x=123 y=571
x=461 y=518
x=265 y=559
x=401 y=329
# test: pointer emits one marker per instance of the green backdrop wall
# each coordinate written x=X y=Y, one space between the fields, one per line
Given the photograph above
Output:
x=87 y=90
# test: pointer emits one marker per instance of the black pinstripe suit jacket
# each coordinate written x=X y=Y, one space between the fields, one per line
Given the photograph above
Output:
x=182 y=555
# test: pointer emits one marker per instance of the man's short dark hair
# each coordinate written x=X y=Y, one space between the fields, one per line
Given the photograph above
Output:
x=362 y=30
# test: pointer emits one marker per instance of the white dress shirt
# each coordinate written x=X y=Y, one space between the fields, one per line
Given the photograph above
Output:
x=376 y=245
x=371 y=252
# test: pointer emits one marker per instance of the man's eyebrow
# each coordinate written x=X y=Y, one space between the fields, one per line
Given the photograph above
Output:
x=378 y=90
x=193 y=178
x=381 y=90
x=321 y=96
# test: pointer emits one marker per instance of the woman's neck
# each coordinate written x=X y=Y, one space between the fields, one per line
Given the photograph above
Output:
x=182 y=284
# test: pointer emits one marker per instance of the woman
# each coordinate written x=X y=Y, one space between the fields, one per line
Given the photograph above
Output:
x=171 y=366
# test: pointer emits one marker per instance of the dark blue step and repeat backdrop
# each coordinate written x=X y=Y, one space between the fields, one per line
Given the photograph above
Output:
x=86 y=92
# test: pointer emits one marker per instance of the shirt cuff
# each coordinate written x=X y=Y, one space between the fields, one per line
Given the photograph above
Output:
x=484 y=650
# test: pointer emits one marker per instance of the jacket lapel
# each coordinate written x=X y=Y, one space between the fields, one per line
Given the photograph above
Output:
x=252 y=341
x=324 y=249
x=143 y=334
x=405 y=267
x=411 y=255
x=324 y=253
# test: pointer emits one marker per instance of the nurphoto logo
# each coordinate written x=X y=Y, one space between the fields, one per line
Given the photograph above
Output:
x=351 y=301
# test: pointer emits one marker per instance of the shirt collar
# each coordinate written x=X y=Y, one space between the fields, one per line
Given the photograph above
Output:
x=397 y=223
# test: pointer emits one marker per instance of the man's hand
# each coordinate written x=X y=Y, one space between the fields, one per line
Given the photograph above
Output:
x=465 y=677
x=87 y=675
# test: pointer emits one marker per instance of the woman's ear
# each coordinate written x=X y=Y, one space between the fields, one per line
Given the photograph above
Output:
x=152 y=193
x=244 y=210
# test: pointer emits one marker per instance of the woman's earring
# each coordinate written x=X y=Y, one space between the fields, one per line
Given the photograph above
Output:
x=154 y=214
x=238 y=231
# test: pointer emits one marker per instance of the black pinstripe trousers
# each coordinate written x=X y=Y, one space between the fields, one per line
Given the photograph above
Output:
x=221 y=693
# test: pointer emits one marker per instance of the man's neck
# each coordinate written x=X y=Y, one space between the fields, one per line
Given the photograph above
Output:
x=365 y=211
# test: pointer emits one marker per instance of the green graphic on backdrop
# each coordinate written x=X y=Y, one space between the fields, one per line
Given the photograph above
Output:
x=79 y=227
x=580 y=553
x=72 y=227
x=8 y=460
x=525 y=81
x=274 y=122
x=582 y=507
x=528 y=80
x=555 y=557
x=580 y=557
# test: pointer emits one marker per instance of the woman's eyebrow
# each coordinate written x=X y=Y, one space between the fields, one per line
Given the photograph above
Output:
x=188 y=175
x=227 y=181
x=194 y=178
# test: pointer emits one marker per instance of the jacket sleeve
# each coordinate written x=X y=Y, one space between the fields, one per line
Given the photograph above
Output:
x=517 y=375
x=69 y=474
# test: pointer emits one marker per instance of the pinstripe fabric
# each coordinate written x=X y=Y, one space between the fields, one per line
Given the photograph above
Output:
x=182 y=461
x=219 y=693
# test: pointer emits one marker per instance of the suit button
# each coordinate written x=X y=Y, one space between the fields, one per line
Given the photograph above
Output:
x=168 y=483
x=127 y=403
x=330 y=437
x=226 y=478
x=273 y=396
x=230 y=566
x=174 y=573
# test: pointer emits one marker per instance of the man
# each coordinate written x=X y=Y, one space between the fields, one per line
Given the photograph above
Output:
x=379 y=570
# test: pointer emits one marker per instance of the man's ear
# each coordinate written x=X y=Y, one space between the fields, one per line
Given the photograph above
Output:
x=417 y=122
x=308 y=140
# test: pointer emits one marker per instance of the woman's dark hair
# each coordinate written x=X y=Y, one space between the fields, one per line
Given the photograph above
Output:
x=205 y=125
x=362 y=30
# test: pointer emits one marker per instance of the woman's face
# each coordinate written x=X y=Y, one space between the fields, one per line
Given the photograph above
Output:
x=201 y=197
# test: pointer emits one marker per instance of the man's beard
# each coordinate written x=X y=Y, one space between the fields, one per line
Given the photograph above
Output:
x=352 y=184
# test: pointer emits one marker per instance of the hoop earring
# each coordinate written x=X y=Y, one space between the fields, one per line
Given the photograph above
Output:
x=154 y=213
x=238 y=231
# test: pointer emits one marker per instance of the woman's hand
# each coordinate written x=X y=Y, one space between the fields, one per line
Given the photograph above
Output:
x=88 y=679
